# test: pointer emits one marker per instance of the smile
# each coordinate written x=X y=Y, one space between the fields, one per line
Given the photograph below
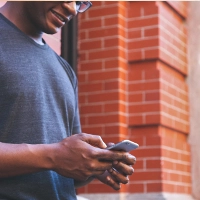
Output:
x=58 y=16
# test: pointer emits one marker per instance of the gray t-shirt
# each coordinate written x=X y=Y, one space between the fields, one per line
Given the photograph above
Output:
x=38 y=104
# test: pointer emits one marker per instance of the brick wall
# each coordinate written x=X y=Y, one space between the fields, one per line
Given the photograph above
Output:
x=132 y=70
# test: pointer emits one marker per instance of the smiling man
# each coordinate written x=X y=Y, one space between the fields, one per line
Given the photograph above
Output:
x=43 y=153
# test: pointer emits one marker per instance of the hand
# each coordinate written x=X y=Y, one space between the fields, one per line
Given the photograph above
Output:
x=83 y=155
x=117 y=174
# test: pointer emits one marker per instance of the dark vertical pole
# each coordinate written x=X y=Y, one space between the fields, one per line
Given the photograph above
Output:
x=69 y=43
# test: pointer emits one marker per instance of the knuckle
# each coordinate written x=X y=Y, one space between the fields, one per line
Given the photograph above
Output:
x=81 y=135
x=99 y=137
x=131 y=170
x=125 y=181
x=91 y=166
x=94 y=154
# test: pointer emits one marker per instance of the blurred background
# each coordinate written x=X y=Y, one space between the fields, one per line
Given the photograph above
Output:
x=138 y=67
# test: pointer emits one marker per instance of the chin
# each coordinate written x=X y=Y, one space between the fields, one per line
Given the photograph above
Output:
x=52 y=31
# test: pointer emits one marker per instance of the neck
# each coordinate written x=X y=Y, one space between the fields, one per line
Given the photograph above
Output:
x=13 y=11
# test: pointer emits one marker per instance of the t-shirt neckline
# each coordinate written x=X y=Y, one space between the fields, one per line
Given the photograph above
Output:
x=42 y=46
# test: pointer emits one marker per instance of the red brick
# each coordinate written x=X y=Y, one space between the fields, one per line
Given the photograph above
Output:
x=154 y=187
x=135 y=34
x=168 y=187
x=139 y=164
x=101 y=11
x=115 y=130
x=138 y=97
x=103 y=97
x=153 y=164
x=144 y=86
x=135 y=55
x=143 y=22
x=88 y=87
x=90 y=45
x=103 y=75
x=135 y=75
x=151 y=53
x=143 y=43
x=100 y=54
x=154 y=31
x=96 y=23
x=153 y=140
x=143 y=176
x=168 y=165
x=136 y=188
x=152 y=96
x=114 y=42
x=115 y=107
x=91 y=109
x=148 y=152
x=154 y=118
x=135 y=136
x=97 y=130
x=103 y=32
x=136 y=120
x=147 y=107
x=111 y=63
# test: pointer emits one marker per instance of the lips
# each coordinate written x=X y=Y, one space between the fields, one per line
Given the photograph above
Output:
x=59 y=16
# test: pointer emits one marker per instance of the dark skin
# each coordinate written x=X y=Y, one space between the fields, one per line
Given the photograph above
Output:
x=87 y=151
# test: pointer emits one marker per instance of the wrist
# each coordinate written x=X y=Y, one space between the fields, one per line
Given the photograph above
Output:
x=42 y=155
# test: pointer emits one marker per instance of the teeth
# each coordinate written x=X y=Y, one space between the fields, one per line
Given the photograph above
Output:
x=62 y=19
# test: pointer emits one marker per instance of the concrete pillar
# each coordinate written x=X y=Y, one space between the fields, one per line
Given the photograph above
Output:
x=193 y=24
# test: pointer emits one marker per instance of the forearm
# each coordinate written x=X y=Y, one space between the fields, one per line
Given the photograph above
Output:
x=19 y=159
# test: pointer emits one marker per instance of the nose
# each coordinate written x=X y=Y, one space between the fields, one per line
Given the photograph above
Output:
x=70 y=8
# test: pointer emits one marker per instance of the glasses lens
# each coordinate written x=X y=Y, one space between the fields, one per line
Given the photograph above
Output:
x=82 y=6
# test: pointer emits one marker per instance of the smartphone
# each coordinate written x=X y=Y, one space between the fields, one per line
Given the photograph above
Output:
x=125 y=145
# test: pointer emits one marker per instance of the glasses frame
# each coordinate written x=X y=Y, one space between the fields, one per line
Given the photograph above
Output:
x=89 y=4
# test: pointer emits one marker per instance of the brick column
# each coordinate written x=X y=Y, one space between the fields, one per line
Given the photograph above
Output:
x=132 y=72
x=158 y=96
x=102 y=74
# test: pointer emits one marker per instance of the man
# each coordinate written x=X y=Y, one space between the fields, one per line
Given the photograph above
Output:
x=41 y=155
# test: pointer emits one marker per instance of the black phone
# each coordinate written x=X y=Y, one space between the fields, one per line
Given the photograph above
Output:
x=125 y=145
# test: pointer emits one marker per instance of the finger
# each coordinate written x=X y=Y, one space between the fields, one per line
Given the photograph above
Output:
x=110 y=144
x=112 y=183
x=116 y=156
x=93 y=140
x=101 y=165
x=123 y=168
x=107 y=179
x=118 y=177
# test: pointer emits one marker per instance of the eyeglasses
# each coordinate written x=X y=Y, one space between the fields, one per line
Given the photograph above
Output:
x=81 y=6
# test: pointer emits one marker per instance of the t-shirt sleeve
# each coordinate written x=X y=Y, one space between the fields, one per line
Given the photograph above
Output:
x=76 y=124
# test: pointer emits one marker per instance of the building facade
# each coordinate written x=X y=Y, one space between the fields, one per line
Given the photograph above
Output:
x=138 y=72
x=132 y=74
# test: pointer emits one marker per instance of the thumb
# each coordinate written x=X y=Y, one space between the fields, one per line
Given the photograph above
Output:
x=110 y=144
x=94 y=140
